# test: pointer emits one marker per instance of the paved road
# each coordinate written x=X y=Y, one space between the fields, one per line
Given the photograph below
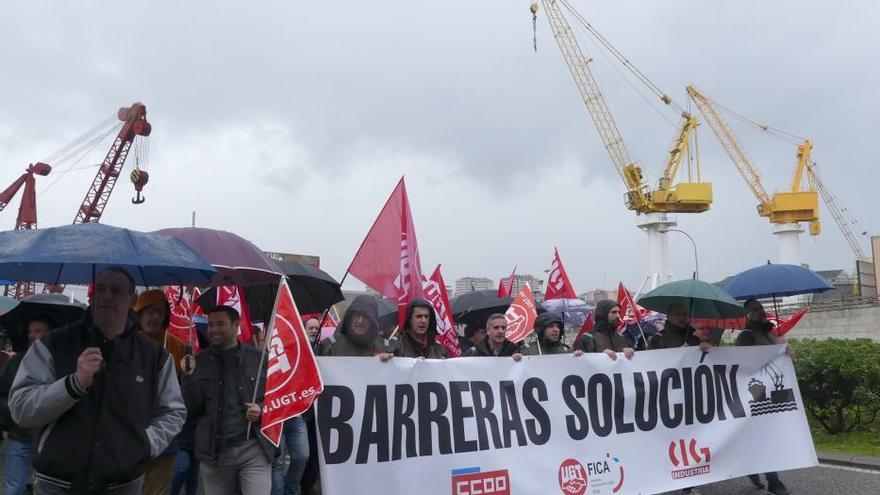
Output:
x=823 y=480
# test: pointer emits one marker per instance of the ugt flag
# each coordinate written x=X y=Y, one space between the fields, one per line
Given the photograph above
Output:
x=558 y=285
x=435 y=293
x=521 y=315
x=292 y=377
x=388 y=259
x=180 y=320
x=505 y=285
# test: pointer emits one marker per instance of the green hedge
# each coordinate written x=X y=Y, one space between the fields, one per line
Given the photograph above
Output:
x=839 y=381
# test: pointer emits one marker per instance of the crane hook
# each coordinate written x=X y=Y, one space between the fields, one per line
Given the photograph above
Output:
x=139 y=178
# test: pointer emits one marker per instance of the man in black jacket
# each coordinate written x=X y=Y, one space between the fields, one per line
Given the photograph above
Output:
x=219 y=393
x=106 y=397
x=605 y=337
x=17 y=468
x=548 y=329
x=496 y=344
x=419 y=337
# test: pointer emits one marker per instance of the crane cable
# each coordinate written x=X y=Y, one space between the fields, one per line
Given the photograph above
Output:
x=83 y=152
x=621 y=58
x=773 y=131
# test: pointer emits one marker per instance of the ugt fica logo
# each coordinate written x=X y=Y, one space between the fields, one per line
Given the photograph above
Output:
x=572 y=477
x=470 y=481
x=781 y=399
x=603 y=476
x=692 y=459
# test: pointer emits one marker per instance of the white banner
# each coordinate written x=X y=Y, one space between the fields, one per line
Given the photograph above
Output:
x=559 y=424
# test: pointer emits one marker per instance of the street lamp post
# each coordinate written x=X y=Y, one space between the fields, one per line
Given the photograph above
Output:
x=694 y=244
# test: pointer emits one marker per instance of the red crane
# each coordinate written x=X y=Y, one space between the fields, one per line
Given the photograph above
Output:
x=135 y=123
x=27 y=214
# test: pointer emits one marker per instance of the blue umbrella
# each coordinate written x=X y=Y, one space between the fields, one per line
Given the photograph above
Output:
x=74 y=254
x=774 y=281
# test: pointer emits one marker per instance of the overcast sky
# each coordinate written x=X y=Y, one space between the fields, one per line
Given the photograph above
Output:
x=289 y=123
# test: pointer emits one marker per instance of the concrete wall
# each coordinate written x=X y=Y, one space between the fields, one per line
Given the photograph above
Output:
x=844 y=323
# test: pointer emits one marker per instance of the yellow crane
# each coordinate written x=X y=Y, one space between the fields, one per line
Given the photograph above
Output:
x=785 y=209
x=692 y=196
x=669 y=196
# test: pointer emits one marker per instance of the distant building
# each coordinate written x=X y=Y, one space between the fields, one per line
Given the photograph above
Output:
x=305 y=259
x=594 y=296
x=470 y=284
x=536 y=284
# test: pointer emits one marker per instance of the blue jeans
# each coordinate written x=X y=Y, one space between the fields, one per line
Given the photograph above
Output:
x=17 y=468
x=296 y=439
x=186 y=473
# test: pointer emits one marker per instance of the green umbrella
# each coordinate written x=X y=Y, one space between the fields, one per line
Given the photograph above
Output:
x=702 y=300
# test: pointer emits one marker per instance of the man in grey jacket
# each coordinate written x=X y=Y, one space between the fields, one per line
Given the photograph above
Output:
x=105 y=398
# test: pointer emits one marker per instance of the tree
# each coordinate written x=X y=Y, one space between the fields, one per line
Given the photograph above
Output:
x=839 y=381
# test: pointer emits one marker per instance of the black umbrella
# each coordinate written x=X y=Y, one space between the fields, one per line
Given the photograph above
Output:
x=57 y=307
x=473 y=308
x=313 y=290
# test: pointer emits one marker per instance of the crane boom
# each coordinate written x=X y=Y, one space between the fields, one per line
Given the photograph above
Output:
x=732 y=147
x=837 y=213
x=590 y=92
x=135 y=123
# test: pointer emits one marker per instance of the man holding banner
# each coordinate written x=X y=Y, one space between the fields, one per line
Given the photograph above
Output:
x=495 y=344
x=605 y=337
x=358 y=334
x=419 y=339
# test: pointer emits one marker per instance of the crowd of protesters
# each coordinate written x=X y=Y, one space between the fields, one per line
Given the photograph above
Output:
x=111 y=404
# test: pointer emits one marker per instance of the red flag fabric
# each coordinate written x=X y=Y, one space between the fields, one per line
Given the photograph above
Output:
x=521 y=315
x=589 y=323
x=558 y=285
x=328 y=326
x=180 y=318
x=724 y=323
x=197 y=308
x=435 y=293
x=232 y=296
x=388 y=259
x=505 y=285
x=782 y=326
x=292 y=377
x=630 y=312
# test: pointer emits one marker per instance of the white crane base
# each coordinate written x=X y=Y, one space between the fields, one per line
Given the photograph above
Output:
x=788 y=238
x=658 y=248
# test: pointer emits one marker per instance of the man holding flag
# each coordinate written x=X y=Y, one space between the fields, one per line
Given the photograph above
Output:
x=224 y=392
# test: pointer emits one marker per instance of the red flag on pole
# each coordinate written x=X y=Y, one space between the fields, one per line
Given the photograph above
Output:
x=232 y=296
x=630 y=312
x=783 y=326
x=589 y=323
x=180 y=319
x=505 y=285
x=197 y=309
x=435 y=293
x=558 y=285
x=521 y=315
x=388 y=259
x=292 y=377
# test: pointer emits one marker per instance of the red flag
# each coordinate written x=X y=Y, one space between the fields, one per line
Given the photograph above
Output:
x=588 y=325
x=180 y=318
x=505 y=285
x=233 y=296
x=328 y=326
x=435 y=293
x=782 y=326
x=388 y=259
x=630 y=312
x=292 y=377
x=558 y=285
x=197 y=308
x=521 y=315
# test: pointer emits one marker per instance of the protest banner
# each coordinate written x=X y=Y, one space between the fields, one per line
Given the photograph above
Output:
x=665 y=420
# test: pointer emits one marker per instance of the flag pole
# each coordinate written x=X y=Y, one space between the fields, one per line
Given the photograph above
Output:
x=266 y=339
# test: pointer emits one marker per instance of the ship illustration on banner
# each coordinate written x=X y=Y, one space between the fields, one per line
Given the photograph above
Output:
x=781 y=399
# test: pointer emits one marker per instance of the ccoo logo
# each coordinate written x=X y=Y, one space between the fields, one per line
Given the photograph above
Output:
x=572 y=477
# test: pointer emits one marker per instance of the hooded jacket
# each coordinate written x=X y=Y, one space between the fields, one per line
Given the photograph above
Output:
x=543 y=321
x=409 y=347
x=342 y=343
x=483 y=349
x=673 y=336
x=604 y=334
